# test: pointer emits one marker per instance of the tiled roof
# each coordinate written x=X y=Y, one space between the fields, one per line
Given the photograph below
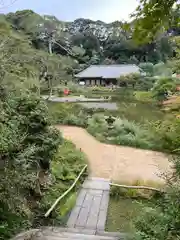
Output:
x=108 y=71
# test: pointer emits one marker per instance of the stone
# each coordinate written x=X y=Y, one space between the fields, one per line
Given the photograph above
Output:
x=73 y=217
x=101 y=220
x=105 y=200
x=98 y=185
x=82 y=218
x=94 y=213
x=87 y=201
x=91 y=206
x=81 y=197
x=95 y=192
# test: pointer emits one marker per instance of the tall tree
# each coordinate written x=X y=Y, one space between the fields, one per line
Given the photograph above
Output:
x=152 y=17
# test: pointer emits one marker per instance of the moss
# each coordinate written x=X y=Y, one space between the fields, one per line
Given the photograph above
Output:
x=121 y=214
x=65 y=167
x=125 y=205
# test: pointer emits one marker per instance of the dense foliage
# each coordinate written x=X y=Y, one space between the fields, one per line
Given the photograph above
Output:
x=28 y=142
x=162 y=220
x=27 y=146
x=34 y=169
x=153 y=16
x=20 y=61
x=83 y=42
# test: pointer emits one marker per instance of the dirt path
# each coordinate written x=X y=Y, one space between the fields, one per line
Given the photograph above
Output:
x=117 y=162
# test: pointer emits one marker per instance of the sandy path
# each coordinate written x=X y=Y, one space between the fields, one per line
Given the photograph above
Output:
x=117 y=162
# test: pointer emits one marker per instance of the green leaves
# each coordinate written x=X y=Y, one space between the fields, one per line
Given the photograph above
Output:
x=152 y=17
x=27 y=146
x=162 y=86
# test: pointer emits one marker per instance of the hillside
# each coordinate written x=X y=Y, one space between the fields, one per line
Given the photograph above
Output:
x=65 y=48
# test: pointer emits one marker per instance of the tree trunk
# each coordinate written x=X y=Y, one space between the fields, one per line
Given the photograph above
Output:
x=50 y=87
x=50 y=46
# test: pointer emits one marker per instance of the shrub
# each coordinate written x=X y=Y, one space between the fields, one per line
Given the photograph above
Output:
x=161 y=221
x=167 y=134
x=119 y=192
x=123 y=95
x=143 y=96
x=162 y=86
x=76 y=120
x=161 y=69
x=63 y=112
x=147 y=68
x=100 y=89
x=97 y=125
x=65 y=167
x=27 y=146
x=74 y=89
x=130 y=134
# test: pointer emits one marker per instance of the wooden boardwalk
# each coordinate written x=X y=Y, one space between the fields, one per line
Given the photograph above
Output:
x=87 y=220
x=91 y=206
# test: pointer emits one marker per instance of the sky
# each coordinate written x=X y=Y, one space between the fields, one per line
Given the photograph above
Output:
x=68 y=10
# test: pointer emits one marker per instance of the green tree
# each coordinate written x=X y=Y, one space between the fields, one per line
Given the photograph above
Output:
x=147 y=68
x=161 y=69
x=161 y=88
x=152 y=17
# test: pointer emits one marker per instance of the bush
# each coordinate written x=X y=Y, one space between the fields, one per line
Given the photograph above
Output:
x=63 y=112
x=100 y=89
x=130 y=134
x=121 y=132
x=27 y=146
x=147 y=68
x=167 y=134
x=97 y=126
x=143 y=96
x=163 y=220
x=119 y=192
x=123 y=95
x=65 y=167
x=162 y=86
x=76 y=120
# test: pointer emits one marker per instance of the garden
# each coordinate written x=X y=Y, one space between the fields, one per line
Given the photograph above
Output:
x=38 y=165
x=140 y=122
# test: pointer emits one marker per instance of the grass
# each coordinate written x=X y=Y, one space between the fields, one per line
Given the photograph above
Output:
x=125 y=205
x=65 y=167
x=121 y=214
x=139 y=112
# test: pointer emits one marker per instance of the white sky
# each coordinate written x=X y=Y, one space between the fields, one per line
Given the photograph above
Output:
x=105 y=10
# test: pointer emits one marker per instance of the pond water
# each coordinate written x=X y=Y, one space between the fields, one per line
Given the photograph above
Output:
x=103 y=105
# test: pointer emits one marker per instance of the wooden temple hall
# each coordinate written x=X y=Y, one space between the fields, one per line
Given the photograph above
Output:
x=105 y=74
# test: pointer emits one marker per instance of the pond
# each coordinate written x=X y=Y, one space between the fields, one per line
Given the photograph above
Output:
x=103 y=105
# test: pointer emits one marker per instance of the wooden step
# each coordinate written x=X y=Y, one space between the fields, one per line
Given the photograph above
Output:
x=57 y=233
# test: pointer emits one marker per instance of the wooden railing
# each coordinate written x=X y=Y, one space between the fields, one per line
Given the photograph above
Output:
x=65 y=193
x=136 y=187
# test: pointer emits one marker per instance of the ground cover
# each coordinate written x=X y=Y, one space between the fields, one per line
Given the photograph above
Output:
x=65 y=167
x=122 y=212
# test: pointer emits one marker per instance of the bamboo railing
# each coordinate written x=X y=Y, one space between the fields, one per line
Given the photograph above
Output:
x=136 y=187
x=65 y=193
